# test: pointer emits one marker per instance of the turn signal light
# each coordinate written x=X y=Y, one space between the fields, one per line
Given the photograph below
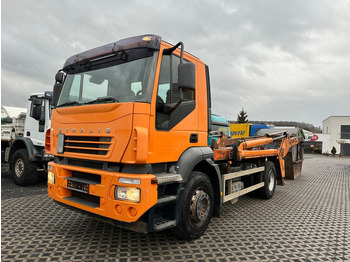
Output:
x=51 y=177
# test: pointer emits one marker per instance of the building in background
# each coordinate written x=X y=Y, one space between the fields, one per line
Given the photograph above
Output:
x=337 y=131
x=11 y=112
x=317 y=143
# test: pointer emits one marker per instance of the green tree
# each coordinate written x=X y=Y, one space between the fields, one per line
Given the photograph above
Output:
x=242 y=117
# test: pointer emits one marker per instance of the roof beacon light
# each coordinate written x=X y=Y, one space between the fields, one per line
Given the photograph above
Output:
x=147 y=38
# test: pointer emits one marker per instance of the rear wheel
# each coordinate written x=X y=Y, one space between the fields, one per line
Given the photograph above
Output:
x=197 y=207
x=24 y=172
x=269 y=179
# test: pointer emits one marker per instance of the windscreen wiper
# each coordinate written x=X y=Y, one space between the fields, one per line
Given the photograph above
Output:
x=70 y=103
x=102 y=99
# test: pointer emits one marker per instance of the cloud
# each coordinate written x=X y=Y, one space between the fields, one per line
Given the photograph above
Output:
x=280 y=60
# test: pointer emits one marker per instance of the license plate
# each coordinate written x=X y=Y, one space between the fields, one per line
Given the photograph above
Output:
x=78 y=186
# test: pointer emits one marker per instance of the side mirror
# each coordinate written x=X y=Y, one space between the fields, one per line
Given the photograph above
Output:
x=187 y=76
x=48 y=95
x=57 y=88
x=36 y=101
x=59 y=77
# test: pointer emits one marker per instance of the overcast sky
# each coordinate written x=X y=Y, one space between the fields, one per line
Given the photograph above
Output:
x=279 y=60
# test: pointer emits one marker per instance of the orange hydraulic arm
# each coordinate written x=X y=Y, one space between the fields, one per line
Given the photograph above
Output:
x=248 y=149
x=255 y=148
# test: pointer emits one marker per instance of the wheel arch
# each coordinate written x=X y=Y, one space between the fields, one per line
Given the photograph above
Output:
x=200 y=159
x=211 y=169
x=23 y=143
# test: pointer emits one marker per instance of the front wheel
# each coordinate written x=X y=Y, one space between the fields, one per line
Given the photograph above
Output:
x=197 y=207
x=24 y=171
x=270 y=181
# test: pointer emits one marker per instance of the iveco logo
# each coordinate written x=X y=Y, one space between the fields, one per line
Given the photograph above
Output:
x=82 y=130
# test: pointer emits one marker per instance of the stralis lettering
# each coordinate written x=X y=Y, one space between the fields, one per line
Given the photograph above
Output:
x=82 y=130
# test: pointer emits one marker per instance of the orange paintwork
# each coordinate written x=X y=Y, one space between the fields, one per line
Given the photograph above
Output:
x=222 y=153
x=126 y=134
x=47 y=141
x=132 y=126
x=280 y=153
x=254 y=148
x=139 y=136
x=117 y=118
x=167 y=146
x=133 y=140
x=105 y=190
x=255 y=142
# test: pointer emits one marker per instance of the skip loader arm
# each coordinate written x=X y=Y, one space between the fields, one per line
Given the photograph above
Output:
x=286 y=144
x=255 y=148
x=252 y=149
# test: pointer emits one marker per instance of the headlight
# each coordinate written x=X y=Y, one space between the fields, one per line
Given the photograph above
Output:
x=51 y=177
x=127 y=193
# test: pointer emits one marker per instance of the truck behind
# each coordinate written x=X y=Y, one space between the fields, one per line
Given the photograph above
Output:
x=23 y=140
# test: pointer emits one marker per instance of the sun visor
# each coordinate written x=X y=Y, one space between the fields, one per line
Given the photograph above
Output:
x=142 y=41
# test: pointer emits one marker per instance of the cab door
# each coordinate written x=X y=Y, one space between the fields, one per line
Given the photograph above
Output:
x=174 y=120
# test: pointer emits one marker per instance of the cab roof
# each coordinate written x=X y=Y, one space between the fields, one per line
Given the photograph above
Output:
x=142 y=41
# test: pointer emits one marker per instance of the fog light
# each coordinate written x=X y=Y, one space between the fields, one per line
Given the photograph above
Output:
x=127 y=193
x=51 y=177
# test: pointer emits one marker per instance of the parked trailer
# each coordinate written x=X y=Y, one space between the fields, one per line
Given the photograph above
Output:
x=246 y=129
x=129 y=134
x=11 y=128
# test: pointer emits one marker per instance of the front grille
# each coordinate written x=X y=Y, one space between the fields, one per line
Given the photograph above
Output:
x=92 y=145
x=92 y=178
x=85 y=163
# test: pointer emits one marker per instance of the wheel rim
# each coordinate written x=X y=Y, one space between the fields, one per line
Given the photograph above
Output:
x=271 y=180
x=19 y=167
x=200 y=206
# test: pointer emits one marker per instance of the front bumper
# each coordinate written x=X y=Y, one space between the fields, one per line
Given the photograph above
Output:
x=98 y=197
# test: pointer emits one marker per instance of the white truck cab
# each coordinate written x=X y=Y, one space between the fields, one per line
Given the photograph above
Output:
x=38 y=118
x=26 y=154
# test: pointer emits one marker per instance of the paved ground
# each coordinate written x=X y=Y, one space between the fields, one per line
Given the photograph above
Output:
x=308 y=219
x=10 y=190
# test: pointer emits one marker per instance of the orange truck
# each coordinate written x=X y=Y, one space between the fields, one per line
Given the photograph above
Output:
x=129 y=134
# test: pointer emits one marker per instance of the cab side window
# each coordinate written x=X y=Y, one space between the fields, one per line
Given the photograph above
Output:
x=172 y=104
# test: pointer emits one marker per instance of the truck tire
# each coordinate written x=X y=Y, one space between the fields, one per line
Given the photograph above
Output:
x=270 y=181
x=24 y=172
x=197 y=207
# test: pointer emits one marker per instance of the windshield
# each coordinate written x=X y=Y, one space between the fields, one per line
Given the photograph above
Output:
x=224 y=129
x=121 y=78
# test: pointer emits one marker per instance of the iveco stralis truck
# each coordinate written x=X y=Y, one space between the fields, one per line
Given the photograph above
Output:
x=129 y=136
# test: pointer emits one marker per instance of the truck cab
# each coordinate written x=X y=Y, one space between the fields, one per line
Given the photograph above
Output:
x=219 y=126
x=129 y=118
x=26 y=153
x=38 y=119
